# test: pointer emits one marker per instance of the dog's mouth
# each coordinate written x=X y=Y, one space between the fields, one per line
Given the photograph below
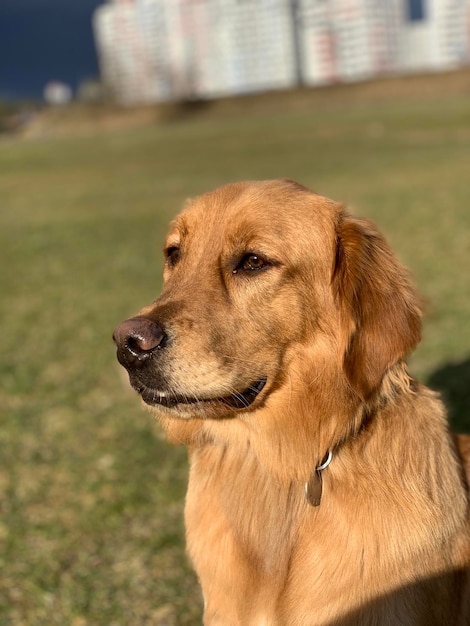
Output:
x=237 y=400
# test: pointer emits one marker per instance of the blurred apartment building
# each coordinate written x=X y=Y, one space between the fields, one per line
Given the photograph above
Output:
x=163 y=50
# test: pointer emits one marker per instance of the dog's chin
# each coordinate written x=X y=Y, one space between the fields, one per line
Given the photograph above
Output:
x=189 y=405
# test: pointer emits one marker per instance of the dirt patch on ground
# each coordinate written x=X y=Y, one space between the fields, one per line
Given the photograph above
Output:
x=80 y=119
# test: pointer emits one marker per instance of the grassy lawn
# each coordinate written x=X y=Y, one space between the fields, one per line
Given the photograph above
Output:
x=91 y=496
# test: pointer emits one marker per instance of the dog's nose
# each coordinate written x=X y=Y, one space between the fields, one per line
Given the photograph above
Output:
x=137 y=339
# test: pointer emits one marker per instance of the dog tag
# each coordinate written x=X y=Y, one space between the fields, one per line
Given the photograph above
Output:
x=313 y=488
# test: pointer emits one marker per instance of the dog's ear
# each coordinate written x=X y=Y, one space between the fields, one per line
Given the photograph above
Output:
x=380 y=313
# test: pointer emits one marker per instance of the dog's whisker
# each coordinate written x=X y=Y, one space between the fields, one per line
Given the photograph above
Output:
x=273 y=365
x=249 y=361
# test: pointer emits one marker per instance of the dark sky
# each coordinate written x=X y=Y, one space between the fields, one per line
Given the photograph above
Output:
x=42 y=40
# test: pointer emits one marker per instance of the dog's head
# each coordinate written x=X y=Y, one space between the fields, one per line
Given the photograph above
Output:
x=269 y=290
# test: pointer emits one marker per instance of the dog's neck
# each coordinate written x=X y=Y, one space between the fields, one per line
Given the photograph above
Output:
x=373 y=444
x=291 y=439
x=382 y=485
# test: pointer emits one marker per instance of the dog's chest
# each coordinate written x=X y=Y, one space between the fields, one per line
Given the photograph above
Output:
x=234 y=510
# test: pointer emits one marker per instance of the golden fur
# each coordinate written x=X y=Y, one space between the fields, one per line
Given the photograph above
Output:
x=267 y=282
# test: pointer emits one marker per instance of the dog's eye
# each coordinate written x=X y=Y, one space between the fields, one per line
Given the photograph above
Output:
x=251 y=263
x=172 y=254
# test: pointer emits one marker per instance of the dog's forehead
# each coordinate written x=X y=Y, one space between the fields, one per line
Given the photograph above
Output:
x=271 y=209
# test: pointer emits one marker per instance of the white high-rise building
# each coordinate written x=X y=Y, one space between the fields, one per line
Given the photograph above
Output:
x=157 y=50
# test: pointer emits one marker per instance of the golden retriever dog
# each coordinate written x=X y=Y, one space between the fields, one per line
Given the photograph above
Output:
x=324 y=485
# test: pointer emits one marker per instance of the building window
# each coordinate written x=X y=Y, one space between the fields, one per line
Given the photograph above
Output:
x=415 y=10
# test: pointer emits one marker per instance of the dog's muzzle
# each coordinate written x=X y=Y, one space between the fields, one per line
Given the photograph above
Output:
x=140 y=345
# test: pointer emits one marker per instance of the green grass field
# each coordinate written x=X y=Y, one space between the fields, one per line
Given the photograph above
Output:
x=91 y=496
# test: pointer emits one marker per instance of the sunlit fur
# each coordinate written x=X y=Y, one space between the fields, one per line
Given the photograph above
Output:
x=329 y=322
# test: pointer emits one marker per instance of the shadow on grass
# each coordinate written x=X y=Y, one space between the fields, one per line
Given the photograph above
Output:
x=453 y=381
x=184 y=109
